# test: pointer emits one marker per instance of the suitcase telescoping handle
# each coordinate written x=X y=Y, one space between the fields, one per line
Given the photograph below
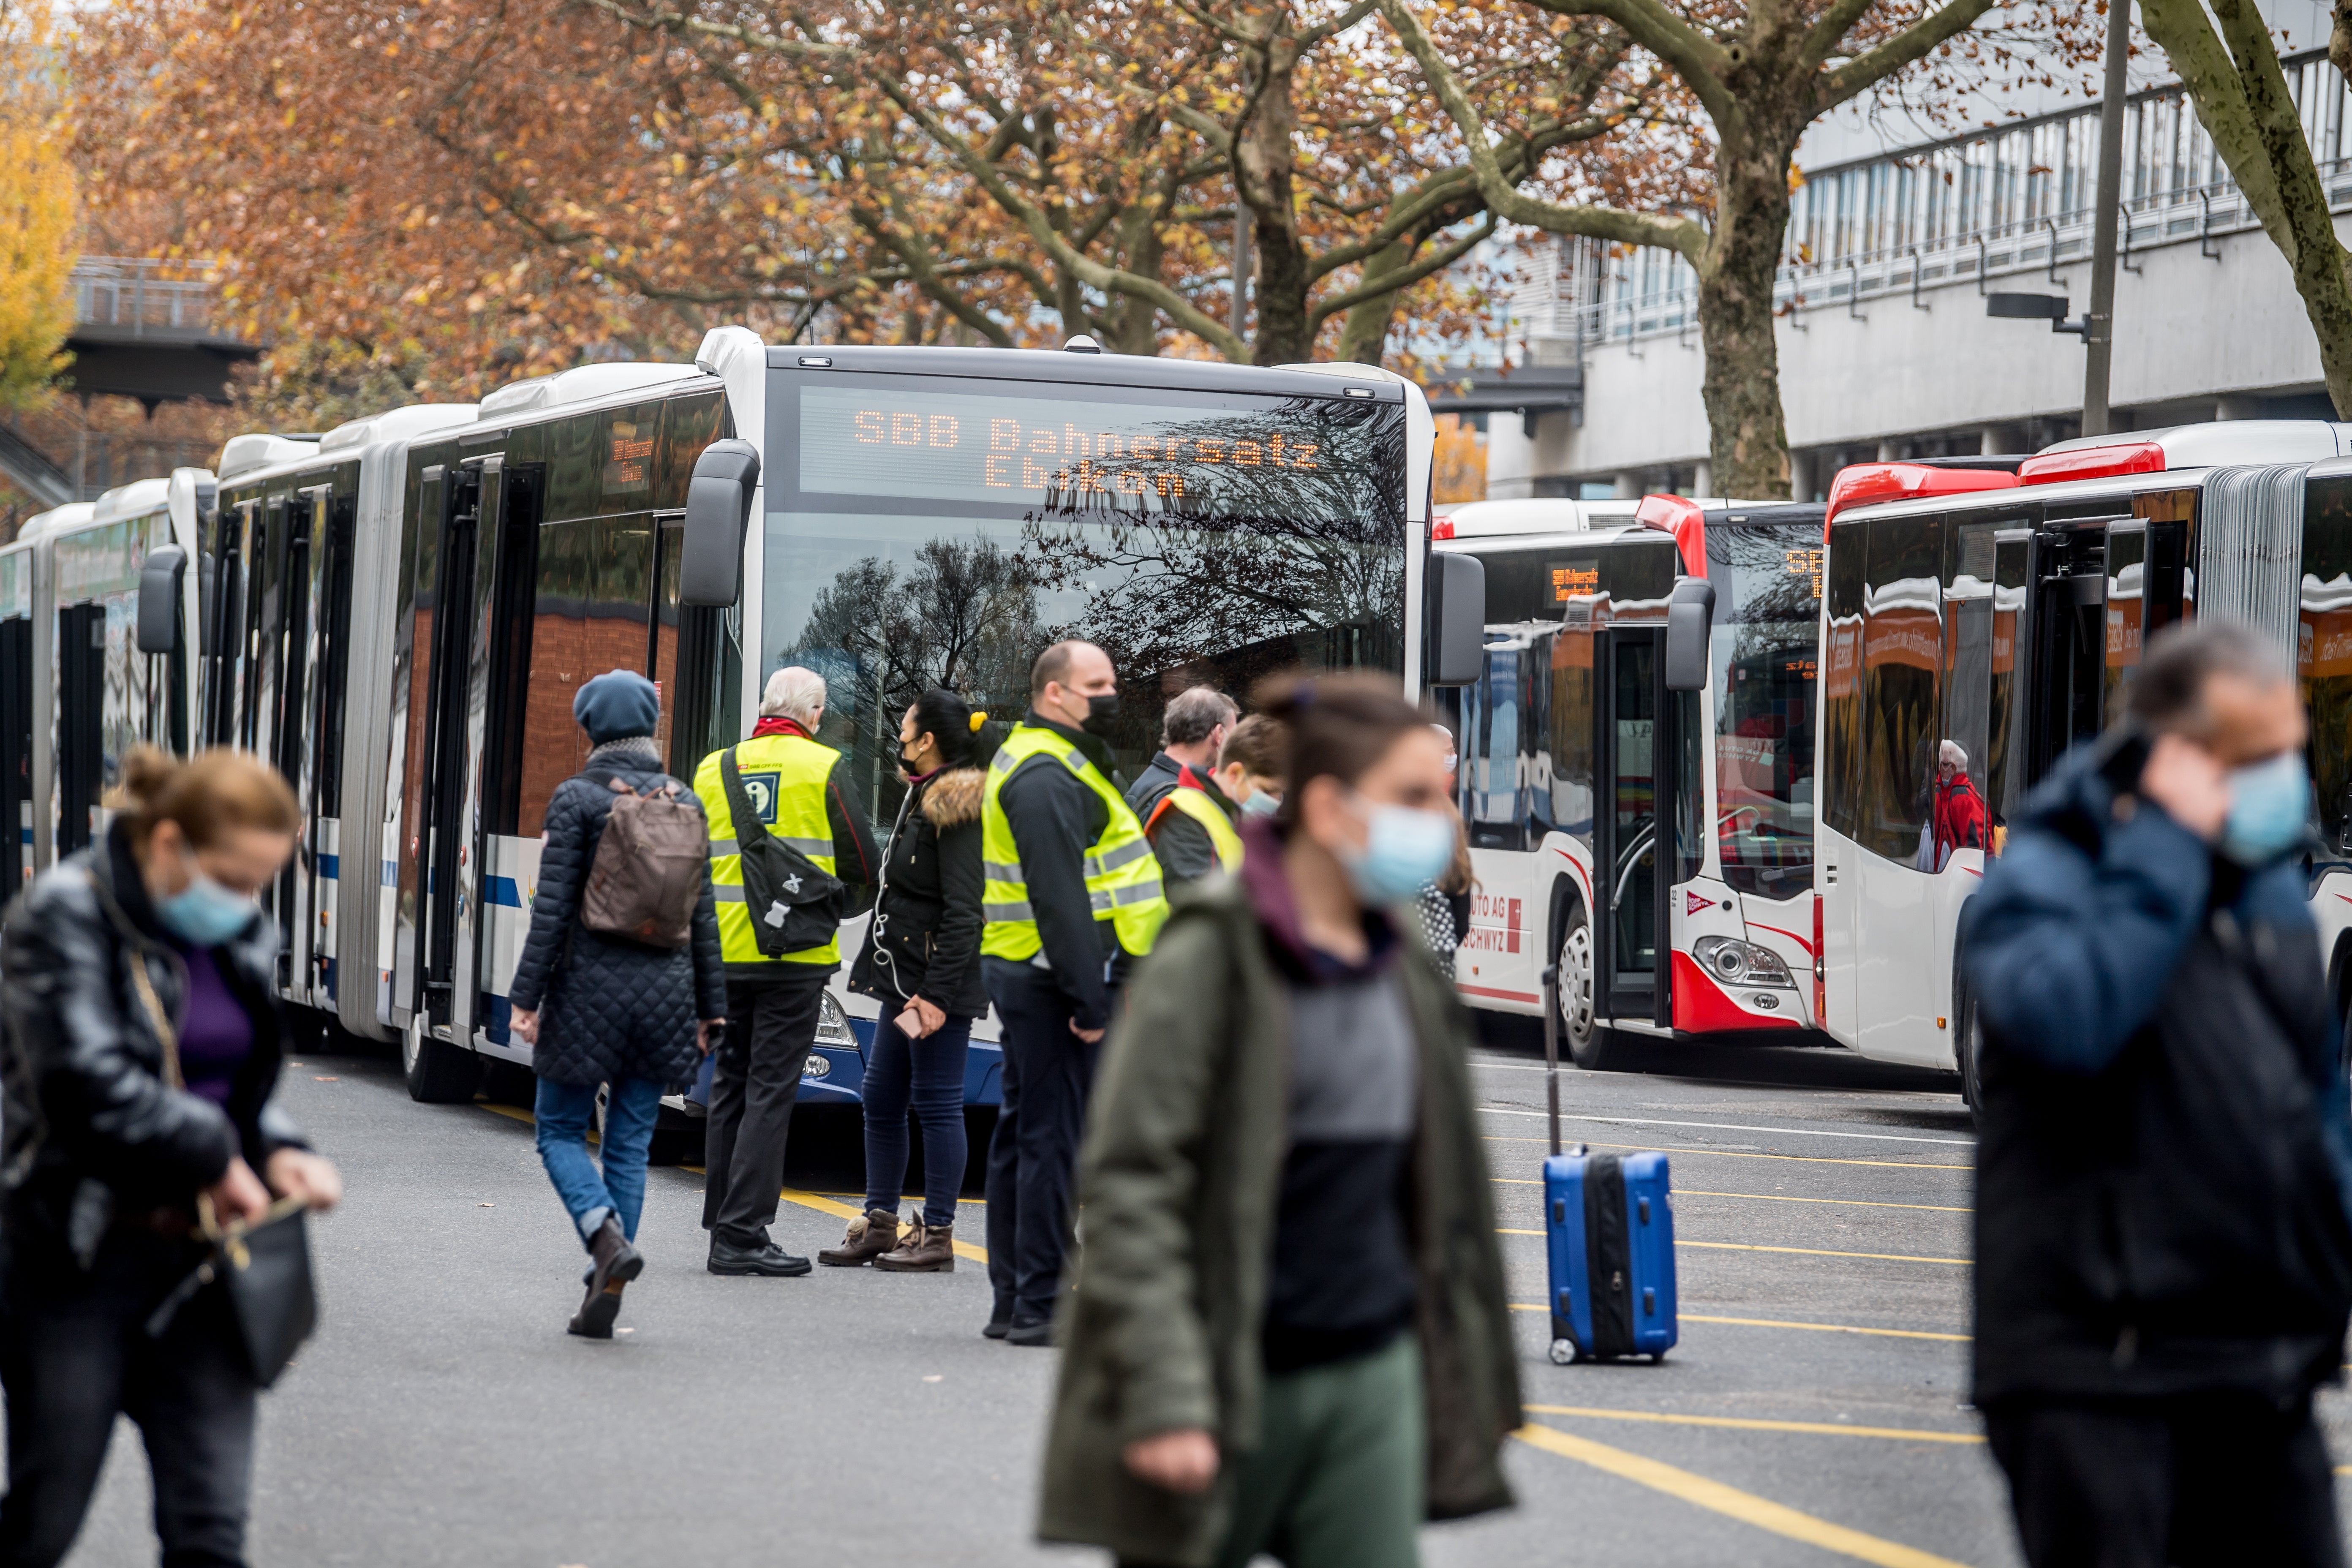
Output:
x=1551 y=1047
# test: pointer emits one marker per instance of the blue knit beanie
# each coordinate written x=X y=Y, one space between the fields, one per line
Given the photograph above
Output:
x=617 y=703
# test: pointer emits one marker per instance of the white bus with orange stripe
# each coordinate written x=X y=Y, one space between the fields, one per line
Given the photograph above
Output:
x=1576 y=747
x=2002 y=608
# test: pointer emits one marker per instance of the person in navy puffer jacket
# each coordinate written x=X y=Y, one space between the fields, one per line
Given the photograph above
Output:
x=598 y=1009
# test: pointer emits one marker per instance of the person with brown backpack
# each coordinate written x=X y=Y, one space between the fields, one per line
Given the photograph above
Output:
x=620 y=983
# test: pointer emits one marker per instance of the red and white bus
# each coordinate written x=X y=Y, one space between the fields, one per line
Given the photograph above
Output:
x=2000 y=610
x=1619 y=809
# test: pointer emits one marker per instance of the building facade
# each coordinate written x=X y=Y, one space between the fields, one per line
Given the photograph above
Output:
x=1886 y=348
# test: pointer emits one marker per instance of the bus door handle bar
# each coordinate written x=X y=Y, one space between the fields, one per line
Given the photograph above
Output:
x=1632 y=861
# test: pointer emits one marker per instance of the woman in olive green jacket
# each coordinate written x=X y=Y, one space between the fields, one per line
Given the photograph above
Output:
x=1289 y=1330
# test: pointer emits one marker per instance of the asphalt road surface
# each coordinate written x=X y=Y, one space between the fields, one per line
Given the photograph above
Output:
x=1813 y=1414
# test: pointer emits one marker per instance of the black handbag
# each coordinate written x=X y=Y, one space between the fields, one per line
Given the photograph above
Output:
x=263 y=1267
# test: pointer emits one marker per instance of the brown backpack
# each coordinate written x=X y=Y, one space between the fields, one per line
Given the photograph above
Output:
x=651 y=866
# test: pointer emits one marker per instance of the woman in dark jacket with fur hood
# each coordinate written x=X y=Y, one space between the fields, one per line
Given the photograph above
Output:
x=597 y=1009
x=921 y=960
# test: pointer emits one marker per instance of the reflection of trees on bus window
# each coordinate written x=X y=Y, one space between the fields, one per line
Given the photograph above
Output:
x=2323 y=658
x=1902 y=654
x=964 y=616
x=1765 y=653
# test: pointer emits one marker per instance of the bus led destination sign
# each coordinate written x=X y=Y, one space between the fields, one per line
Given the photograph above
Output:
x=1068 y=456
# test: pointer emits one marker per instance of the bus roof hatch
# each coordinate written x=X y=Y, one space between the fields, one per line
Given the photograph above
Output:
x=1685 y=519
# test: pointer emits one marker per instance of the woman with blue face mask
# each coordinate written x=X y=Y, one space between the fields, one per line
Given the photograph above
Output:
x=139 y=1045
x=1286 y=1194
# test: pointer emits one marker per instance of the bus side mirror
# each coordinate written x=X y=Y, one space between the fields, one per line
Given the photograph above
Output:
x=1457 y=618
x=1690 y=618
x=717 y=509
x=159 y=600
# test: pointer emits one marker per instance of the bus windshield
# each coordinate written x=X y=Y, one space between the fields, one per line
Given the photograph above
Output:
x=1765 y=647
x=940 y=530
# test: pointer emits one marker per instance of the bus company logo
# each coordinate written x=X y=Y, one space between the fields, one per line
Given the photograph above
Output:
x=1495 y=923
x=1694 y=902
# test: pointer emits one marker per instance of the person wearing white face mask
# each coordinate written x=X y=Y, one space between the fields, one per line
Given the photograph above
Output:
x=2164 y=1258
x=1287 y=1330
x=139 y=1044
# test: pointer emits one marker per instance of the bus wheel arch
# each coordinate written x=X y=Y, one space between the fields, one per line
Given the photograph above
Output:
x=1588 y=1044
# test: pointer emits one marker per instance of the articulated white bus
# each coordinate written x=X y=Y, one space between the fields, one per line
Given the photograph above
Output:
x=2003 y=612
x=77 y=691
x=1619 y=809
x=405 y=608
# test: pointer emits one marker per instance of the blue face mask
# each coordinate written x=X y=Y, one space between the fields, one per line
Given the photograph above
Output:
x=1405 y=851
x=1261 y=804
x=205 y=913
x=2270 y=809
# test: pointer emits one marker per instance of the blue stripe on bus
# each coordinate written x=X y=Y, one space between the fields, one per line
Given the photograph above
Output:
x=391 y=874
x=330 y=865
x=504 y=890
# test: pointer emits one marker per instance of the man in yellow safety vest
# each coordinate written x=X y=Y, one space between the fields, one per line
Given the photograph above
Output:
x=1070 y=894
x=778 y=958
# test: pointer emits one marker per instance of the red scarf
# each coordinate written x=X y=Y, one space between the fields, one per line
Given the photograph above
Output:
x=779 y=726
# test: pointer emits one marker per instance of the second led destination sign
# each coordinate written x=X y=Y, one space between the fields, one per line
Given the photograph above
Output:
x=1299 y=458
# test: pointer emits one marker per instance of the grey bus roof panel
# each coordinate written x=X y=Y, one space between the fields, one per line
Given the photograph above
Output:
x=1510 y=543
x=73 y=514
x=498 y=418
x=134 y=499
x=580 y=384
x=395 y=424
x=261 y=449
x=1098 y=370
x=2236 y=443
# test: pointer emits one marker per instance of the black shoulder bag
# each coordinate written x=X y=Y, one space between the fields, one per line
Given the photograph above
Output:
x=795 y=903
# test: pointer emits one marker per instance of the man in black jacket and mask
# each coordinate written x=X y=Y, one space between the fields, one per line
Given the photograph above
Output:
x=2164 y=1268
x=1070 y=894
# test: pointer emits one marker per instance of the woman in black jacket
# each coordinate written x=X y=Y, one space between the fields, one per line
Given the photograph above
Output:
x=138 y=1045
x=601 y=1009
x=922 y=958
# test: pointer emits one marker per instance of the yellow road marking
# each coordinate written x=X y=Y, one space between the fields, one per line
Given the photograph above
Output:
x=806 y=1200
x=851 y=1211
x=1730 y=1502
x=1852 y=1203
x=1786 y=1323
x=1808 y=1252
x=1745 y=1424
x=1736 y=1154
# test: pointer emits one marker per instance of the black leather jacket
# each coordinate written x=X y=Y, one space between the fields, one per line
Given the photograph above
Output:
x=89 y=1130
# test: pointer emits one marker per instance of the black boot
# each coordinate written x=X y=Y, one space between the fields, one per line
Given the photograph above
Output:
x=766 y=1258
x=616 y=1263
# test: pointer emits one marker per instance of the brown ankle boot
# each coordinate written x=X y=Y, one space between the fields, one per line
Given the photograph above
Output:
x=929 y=1250
x=871 y=1235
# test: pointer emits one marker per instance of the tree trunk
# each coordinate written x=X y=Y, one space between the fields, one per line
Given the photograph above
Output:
x=1132 y=325
x=1747 y=437
x=1364 y=331
x=1263 y=150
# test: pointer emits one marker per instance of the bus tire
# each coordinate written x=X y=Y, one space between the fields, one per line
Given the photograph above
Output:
x=438 y=1073
x=1968 y=1048
x=1590 y=1046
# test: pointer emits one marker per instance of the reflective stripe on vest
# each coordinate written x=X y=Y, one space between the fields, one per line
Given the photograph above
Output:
x=799 y=768
x=1223 y=837
x=1122 y=874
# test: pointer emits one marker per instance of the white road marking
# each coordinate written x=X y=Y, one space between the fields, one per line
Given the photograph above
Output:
x=1731 y=1127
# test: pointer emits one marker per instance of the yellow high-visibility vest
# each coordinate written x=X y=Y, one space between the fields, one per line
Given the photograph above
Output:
x=1223 y=837
x=1122 y=873
x=785 y=775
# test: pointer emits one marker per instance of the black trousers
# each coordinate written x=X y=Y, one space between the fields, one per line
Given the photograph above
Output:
x=754 y=1083
x=1033 y=1155
x=74 y=1354
x=2182 y=1482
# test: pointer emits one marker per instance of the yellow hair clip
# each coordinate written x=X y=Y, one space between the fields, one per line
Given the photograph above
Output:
x=978 y=719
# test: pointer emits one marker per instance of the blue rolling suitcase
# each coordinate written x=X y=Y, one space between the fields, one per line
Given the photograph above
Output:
x=1608 y=1235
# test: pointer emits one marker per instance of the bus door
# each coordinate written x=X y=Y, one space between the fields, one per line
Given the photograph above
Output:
x=286 y=642
x=1635 y=792
x=327 y=672
x=81 y=723
x=477 y=684
x=15 y=751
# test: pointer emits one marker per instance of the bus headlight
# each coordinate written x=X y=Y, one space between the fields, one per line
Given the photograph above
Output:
x=833 y=1024
x=1736 y=962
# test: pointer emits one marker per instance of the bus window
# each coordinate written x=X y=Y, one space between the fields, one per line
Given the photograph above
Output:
x=1766 y=621
x=2324 y=659
x=1633 y=806
x=2127 y=621
x=591 y=601
x=1490 y=751
x=1840 y=768
x=1902 y=652
x=1570 y=736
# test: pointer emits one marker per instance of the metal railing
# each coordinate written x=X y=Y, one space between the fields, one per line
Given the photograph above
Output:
x=2041 y=244
x=144 y=295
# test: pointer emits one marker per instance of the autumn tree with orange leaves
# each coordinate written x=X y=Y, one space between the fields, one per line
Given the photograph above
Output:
x=37 y=207
x=1760 y=72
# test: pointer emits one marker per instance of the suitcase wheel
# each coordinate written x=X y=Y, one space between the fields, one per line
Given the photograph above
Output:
x=1564 y=1352
x=1657 y=1358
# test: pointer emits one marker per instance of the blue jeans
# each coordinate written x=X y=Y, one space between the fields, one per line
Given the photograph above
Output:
x=564 y=1111
x=930 y=1071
